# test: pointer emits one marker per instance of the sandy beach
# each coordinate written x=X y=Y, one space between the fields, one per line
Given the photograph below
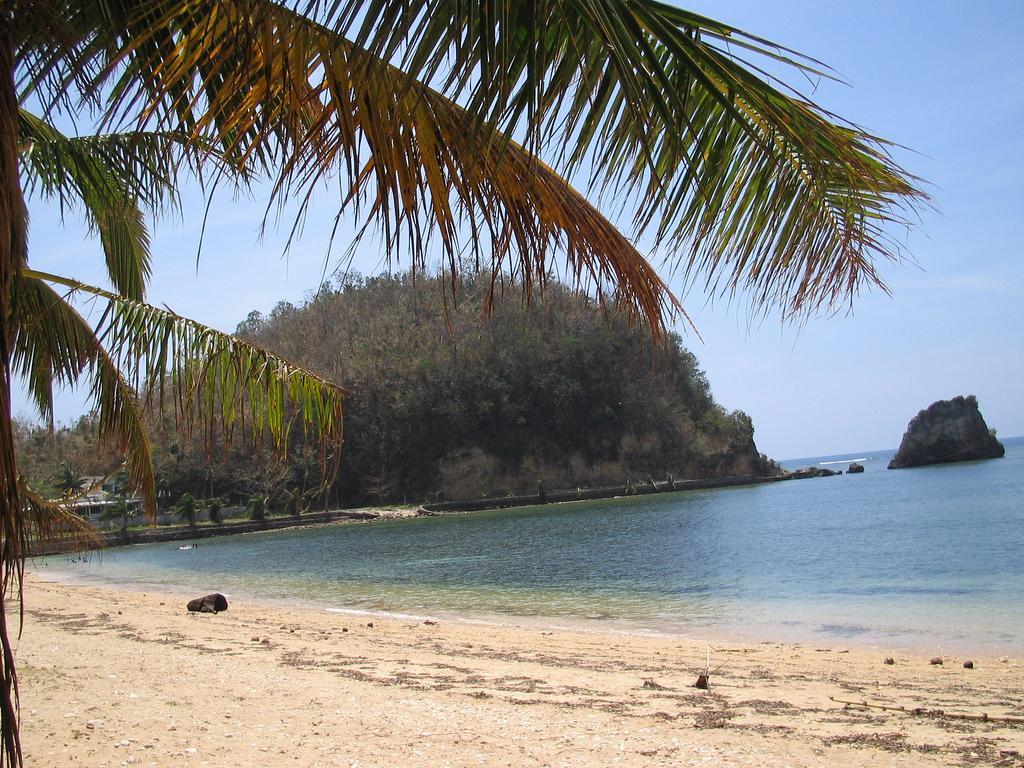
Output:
x=111 y=678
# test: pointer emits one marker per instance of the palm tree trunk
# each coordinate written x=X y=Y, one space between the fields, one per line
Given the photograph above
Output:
x=12 y=256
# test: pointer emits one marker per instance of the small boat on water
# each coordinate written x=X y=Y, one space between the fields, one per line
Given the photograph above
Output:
x=187 y=546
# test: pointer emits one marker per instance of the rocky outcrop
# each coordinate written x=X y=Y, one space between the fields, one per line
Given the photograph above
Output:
x=855 y=468
x=799 y=474
x=945 y=431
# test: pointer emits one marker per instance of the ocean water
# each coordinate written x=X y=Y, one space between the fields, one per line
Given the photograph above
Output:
x=927 y=559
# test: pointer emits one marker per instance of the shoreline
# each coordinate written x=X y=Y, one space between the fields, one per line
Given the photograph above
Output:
x=115 y=677
x=161 y=534
x=532 y=622
x=620 y=491
x=167 y=533
x=730 y=632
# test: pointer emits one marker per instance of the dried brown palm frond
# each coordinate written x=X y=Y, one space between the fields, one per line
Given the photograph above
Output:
x=746 y=184
x=286 y=93
x=54 y=525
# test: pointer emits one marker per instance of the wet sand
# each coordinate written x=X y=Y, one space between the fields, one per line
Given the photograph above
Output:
x=111 y=678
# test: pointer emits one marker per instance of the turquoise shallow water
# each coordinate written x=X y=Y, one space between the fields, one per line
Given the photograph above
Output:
x=929 y=558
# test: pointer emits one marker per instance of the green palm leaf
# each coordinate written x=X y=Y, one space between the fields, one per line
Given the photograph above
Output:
x=55 y=345
x=748 y=185
x=214 y=378
x=114 y=178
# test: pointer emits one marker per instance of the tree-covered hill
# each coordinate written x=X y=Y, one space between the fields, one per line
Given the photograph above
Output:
x=455 y=401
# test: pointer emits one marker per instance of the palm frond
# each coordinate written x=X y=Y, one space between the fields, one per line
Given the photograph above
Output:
x=292 y=97
x=49 y=346
x=213 y=378
x=122 y=426
x=53 y=344
x=745 y=184
x=115 y=178
x=748 y=185
x=54 y=524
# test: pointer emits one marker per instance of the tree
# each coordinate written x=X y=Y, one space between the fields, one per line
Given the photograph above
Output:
x=560 y=391
x=69 y=480
x=119 y=511
x=134 y=351
x=257 y=508
x=418 y=106
x=294 y=500
x=213 y=509
x=186 y=509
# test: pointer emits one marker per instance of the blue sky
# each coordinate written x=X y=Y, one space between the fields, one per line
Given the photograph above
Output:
x=941 y=78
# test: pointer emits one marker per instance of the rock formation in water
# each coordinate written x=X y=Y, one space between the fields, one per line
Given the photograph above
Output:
x=855 y=468
x=800 y=474
x=945 y=431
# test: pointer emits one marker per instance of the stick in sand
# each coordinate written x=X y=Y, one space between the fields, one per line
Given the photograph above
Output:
x=921 y=711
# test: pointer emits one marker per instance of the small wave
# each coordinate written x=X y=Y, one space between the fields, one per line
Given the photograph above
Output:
x=890 y=590
x=378 y=614
x=448 y=560
x=843 y=630
x=845 y=461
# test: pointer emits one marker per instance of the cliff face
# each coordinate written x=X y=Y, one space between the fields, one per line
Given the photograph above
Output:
x=947 y=430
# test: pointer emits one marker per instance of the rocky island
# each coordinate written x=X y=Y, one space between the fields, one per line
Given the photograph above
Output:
x=947 y=431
